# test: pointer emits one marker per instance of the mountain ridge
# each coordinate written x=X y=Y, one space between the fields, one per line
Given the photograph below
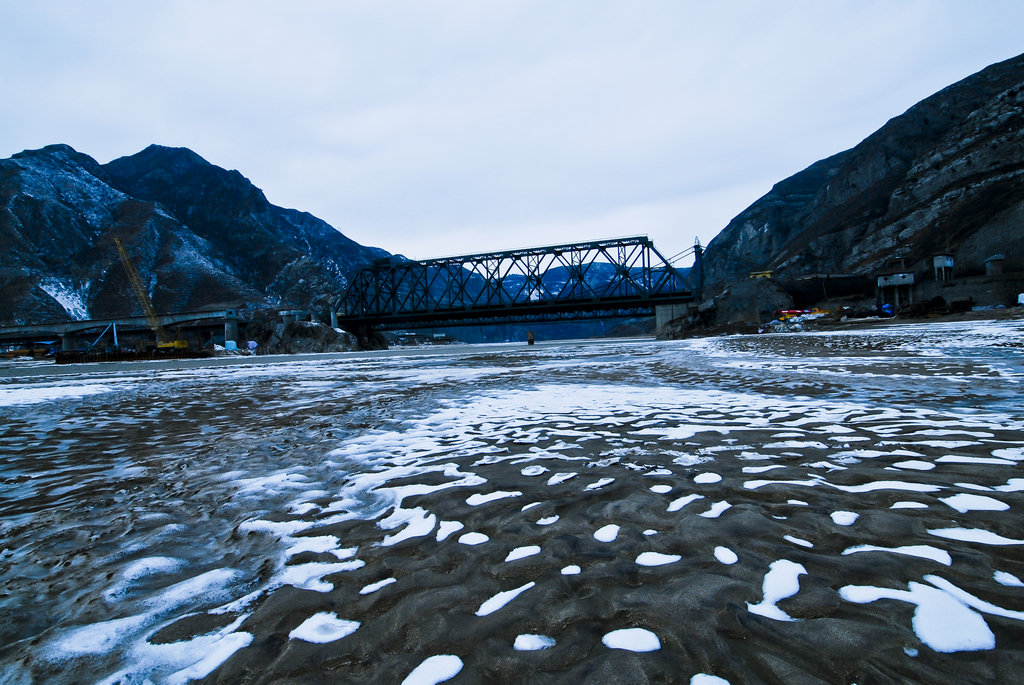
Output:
x=933 y=179
x=201 y=235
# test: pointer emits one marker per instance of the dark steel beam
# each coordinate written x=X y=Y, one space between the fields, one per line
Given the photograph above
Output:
x=540 y=283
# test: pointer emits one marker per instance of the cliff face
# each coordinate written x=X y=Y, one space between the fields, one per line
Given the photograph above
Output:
x=200 y=235
x=946 y=176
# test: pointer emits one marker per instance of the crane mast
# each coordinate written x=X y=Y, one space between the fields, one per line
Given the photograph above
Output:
x=141 y=295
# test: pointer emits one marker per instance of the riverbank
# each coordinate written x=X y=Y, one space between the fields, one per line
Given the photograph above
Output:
x=680 y=330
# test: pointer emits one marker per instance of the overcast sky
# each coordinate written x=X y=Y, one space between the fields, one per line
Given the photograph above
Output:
x=436 y=128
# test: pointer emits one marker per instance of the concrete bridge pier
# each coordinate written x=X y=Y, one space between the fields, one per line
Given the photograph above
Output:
x=664 y=313
x=230 y=330
x=68 y=342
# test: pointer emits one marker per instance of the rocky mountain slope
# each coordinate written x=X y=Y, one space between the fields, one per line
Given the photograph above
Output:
x=946 y=176
x=202 y=236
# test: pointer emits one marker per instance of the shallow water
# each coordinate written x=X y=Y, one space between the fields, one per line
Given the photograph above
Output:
x=169 y=523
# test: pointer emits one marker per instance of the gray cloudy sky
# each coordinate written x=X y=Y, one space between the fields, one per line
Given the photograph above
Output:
x=438 y=127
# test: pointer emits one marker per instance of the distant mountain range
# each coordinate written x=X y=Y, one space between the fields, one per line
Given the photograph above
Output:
x=200 y=235
x=945 y=176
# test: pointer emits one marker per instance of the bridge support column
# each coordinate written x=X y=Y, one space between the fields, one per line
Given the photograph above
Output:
x=334 y=319
x=230 y=330
x=664 y=313
x=69 y=342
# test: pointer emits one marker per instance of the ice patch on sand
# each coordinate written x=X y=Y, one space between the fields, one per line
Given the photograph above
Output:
x=216 y=654
x=14 y=395
x=965 y=502
x=99 y=638
x=446 y=528
x=726 y=555
x=678 y=504
x=755 y=484
x=478 y=499
x=632 y=639
x=985 y=537
x=1007 y=579
x=522 y=552
x=661 y=489
x=940 y=621
x=781 y=581
x=915 y=465
x=418 y=523
x=320 y=545
x=922 y=551
x=547 y=520
x=600 y=484
x=373 y=587
x=501 y=599
x=885 y=485
x=762 y=469
x=972 y=601
x=572 y=570
x=561 y=477
x=707 y=478
x=797 y=541
x=435 y=669
x=963 y=459
x=607 y=533
x=531 y=643
x=908 y=505
x=705 y=679
x=473 y=539
x=138 y=569
x=716 y=510
x=323 y=627
x=308 y=576
x=656 y=559
x=844 y=518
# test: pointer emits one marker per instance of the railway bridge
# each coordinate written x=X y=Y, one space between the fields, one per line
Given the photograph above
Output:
x=615 y=278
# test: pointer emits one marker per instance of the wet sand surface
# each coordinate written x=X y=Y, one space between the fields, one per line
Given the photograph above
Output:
x=789 y=508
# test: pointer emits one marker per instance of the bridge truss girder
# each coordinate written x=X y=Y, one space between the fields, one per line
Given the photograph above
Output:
x=617 y=277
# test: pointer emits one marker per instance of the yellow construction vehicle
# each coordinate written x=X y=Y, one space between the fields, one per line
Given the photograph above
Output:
x=162 y=340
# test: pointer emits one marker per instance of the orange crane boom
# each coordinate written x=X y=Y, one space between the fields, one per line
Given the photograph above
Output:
x=143 y=297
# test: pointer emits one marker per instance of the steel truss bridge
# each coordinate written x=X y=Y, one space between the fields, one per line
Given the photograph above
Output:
x=606 y=278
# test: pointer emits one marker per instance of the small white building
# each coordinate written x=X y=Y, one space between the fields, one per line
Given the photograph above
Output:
x=895 y=283
x=943 y=265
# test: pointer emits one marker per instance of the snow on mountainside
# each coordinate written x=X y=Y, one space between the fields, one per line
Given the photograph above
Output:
x=200 y=235
x=67 y=296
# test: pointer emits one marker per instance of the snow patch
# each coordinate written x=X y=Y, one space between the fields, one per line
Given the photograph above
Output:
x=435 y=669
x=501 y=599
x=632 y=639
x=323 y=627
x=781 y=581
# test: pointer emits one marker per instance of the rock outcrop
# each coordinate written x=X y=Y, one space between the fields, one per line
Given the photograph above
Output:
x=946 y=176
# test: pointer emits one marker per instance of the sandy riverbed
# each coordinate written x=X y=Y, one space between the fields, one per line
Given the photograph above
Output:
x=832 y=507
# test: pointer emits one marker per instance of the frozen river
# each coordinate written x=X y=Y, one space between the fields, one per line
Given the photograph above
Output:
x=843 y=506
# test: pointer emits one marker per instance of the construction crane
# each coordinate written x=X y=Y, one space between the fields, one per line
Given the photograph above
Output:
x=162 y=341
